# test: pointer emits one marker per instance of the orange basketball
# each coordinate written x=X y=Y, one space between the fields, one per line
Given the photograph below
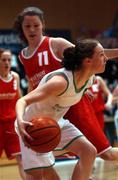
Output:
x=46 y=134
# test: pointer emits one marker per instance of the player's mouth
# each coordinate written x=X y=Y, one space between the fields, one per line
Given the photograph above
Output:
x=32 y=35
x=6 y=67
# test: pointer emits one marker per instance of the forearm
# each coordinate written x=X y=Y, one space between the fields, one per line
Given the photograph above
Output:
x=109 y=101
x=111 y=53
x=20 y=109
x=115 y=99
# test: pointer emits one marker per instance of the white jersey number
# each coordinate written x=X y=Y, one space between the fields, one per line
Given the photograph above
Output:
x=43 y=58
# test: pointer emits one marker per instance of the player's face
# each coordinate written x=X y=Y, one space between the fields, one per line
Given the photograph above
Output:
x=5 y=62
x=32 y=28
x=99 y=60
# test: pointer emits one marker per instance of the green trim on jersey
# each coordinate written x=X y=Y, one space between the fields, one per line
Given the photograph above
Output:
x=76 y=89
x=62 y=74
x=30 y=169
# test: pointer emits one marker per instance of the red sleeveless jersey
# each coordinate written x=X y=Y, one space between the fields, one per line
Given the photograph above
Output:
x=41 y=62
x=8 y=97
x=98 y=102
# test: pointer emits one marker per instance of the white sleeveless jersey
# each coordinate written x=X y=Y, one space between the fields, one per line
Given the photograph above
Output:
x=57 y=106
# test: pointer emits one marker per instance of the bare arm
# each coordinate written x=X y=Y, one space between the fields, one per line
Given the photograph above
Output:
x=60 y=44
x=115 y=99
x=111 y=53
x=52 y=87
x=106 y=92
x=115 y=91
x=115 y=95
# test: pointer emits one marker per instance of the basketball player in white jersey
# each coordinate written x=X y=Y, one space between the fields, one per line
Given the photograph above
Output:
x=56 y=92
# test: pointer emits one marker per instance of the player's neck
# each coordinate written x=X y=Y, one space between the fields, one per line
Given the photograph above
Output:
x=80 y=78
x=32 y=46
x=35 y=43
x=5 y=76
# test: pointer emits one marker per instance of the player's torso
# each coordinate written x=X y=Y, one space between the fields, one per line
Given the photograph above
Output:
x=57 y=106
x=8 y=97
x=41 y=62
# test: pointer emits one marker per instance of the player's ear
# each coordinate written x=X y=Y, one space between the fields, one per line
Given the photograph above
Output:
x=87 y=61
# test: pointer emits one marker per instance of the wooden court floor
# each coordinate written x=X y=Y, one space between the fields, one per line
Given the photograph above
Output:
x=103 y=170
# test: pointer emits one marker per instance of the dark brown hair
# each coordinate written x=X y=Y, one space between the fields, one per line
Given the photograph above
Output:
x=74 y=56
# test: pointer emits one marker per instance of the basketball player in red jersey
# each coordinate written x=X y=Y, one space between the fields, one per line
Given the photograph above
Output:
x=42 y=55
x=9 y=94
x=101 y=92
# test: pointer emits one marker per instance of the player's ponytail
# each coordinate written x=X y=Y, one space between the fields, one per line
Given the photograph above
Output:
x=74 y=56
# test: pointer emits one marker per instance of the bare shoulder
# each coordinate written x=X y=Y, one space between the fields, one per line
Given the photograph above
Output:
x=61 y=42
x=58 y=46
x=57 y=84
x=15 y=74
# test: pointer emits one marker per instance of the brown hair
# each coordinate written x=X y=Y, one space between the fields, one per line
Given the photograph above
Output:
x=74 y=56
x=30 y=11
x=4 y=50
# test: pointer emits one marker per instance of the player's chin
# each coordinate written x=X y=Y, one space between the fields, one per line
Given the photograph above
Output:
x=101 y=70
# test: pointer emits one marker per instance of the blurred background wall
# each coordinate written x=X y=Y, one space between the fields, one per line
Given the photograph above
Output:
x=64 y=14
